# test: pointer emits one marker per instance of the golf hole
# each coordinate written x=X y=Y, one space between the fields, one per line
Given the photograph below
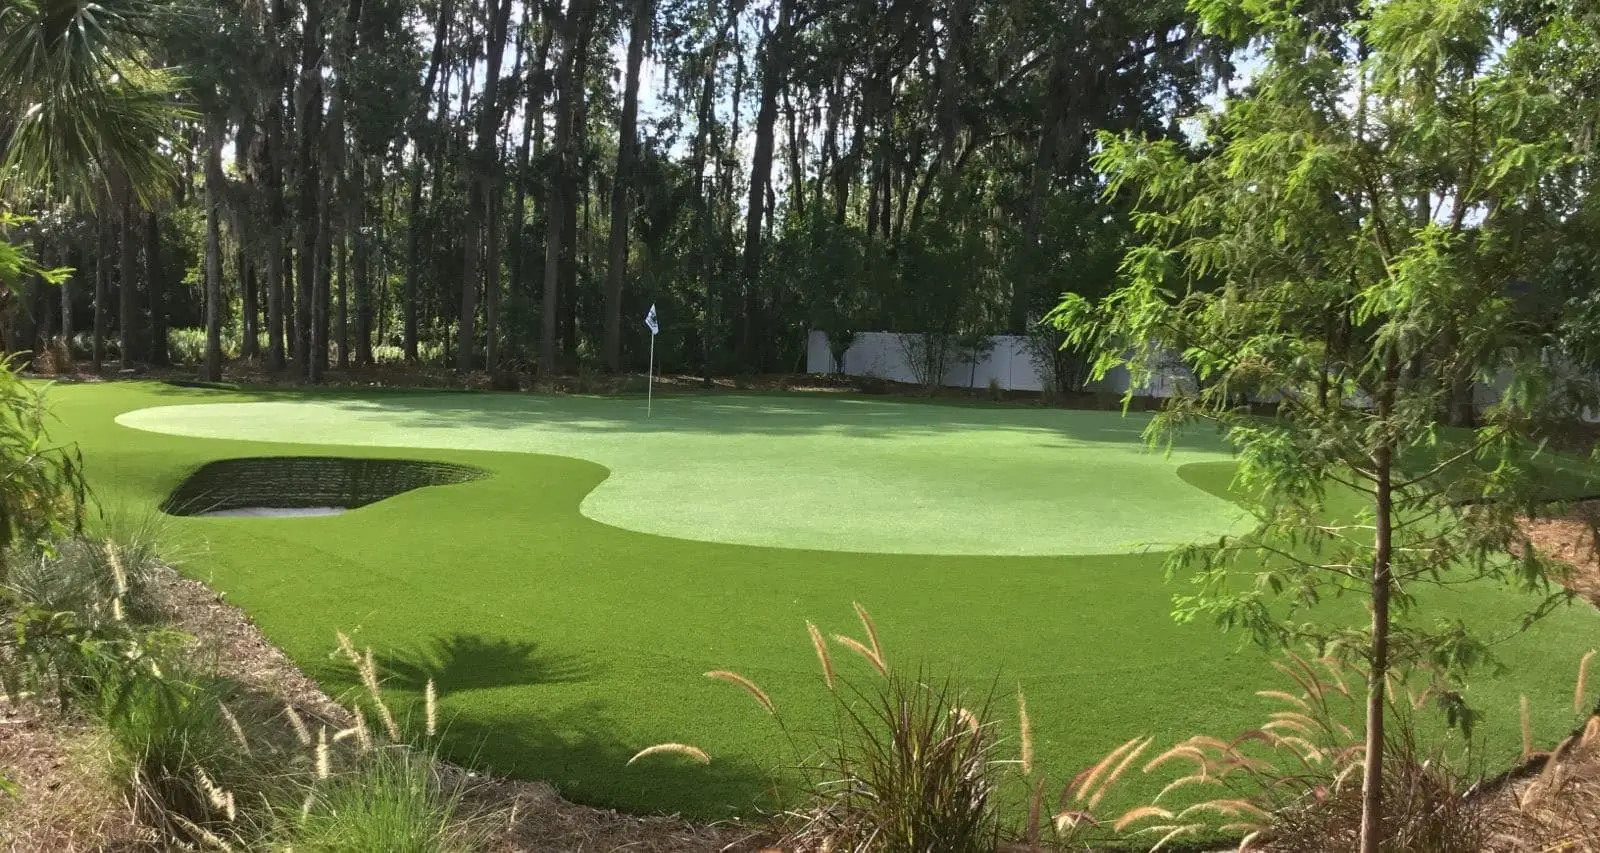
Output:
x=304 y=486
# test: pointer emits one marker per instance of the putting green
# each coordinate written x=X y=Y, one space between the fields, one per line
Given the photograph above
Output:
x=561 y=645
x=831 y=475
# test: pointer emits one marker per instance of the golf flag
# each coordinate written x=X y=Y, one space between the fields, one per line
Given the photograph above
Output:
x=650 y=321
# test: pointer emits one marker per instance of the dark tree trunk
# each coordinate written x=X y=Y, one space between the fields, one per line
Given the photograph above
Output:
x=102 y=273
x=363 y=263
x=308 y=109
x=441 y=37
x=214 y=178
x=128 y=285
x=774 y=61
x=156 y=290
x=622 y=186
x=480 y=173
x=562 y=176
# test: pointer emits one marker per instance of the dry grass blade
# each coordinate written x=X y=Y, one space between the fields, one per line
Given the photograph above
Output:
x=685 y=750
x=1026 y=726
x=1582 y=690
x=871 y=629
x=871 y=657
x=823 y=657
x=744 y=684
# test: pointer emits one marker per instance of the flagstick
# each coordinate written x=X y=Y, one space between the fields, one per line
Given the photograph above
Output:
x=649 y=379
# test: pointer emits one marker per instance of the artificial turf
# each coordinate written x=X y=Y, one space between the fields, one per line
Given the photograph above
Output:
x=568 y=618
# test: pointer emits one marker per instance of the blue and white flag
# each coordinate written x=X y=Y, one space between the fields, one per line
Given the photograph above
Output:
x=650 y=321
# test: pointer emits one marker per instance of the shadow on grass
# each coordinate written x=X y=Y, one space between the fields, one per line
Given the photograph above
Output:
x=577 y=752
x=459 y=662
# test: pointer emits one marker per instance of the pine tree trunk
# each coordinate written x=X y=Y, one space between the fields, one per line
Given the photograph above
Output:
x=214 y=178
x=128 y=284
x=156 y=287
x=622 y=185
x=308 y=102
x=414 y=217
x=363 y=266
x=560 y=192
x=102 y=273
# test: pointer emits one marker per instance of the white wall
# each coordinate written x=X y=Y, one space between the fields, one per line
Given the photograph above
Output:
x=881 y=354
x=1010 y=362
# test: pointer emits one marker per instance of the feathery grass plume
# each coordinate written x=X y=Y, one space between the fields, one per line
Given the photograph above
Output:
x=1527 y=730
x=1182 y=750
x=871 y=657
x=1581 y=693
x=1284 y=697
x=430 y=708
x=1246 y=842
x=697 y=755
x=205 y=836
x=1092 y=775
x=1133 y=816
x=209 y=786
x=359 y=729
x=821 y=646
x=1173 y=833
x=118 y=573
x=116 y=609
x=1591 y=731
x=324 y=769
x=297 y=724
x=1110 y=780
x=1026 y=726
x=744 y=684
x=369 y=674
x=233 y=724
x=1201 y=778
x=348 y=648
x=966 y=718
x=871 y=629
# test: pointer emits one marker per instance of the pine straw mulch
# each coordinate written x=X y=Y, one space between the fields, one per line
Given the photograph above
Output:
x=67 y=805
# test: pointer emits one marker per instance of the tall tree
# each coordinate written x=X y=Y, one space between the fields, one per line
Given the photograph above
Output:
x=622 y=181
x=1288 y=259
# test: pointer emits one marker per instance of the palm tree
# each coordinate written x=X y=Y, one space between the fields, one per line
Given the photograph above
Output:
x=82 y=117
x=81 y=113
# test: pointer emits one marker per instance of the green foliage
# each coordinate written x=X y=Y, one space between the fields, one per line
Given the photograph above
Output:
x=92 y=113
x=1294 y=264
x=393 y=800
x=913 y=770
x=42 y=493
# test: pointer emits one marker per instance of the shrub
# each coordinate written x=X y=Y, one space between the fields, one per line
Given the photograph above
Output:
x=185 y=768
x=912 y=771
x=393 y=800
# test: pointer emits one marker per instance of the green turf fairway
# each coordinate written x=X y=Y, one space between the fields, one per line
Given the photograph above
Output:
x=568 y=617
x=834 y=475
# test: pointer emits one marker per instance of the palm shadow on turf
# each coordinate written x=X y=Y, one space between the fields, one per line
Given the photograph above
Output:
x=566 y=748
x=459 y=662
